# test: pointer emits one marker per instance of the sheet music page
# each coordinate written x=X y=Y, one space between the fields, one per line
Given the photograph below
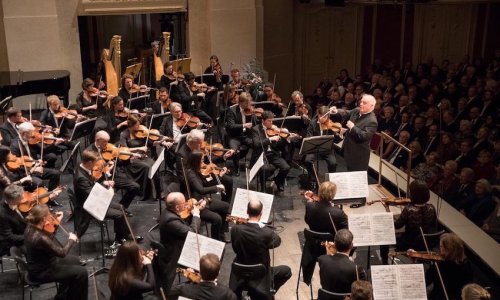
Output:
x=359 y=225
x=256 y=167
x=372 y=229
x=156 y=165
x=399 y=282
x=98 y=201
x=183 y=298
x=385 y=282
x=240 y=203
x=350 y=184
x=190 y=257
x=382 y=228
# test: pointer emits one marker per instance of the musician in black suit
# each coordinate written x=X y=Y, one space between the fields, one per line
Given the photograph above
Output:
x=273 y=146
x=173 y=232
x=239 y=126
x=361 y=124
x=182 y=93
x=320 y=216
x=62 y=126
x=8 y=128
x=12 y=223
x=122 y=181
x=83 y=182
x=207 y=289
x=251 y=243
x=160 y=106
x=337 y=272
x=314 y=129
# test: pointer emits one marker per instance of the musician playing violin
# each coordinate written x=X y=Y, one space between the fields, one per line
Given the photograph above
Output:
x=7 y=176
x=116 y=118
x=418 y=214
x=273 y=146
x=215 y=211
x=161 y=106
x=169 y=75
x=173 y=232
x=9 y=127
x=215 y=69
x=317 y=217
x=89 y=101
x=48 y=260
x=128 y=87
x=59 y=118
x=12 y=223
x=194 y=141
x=182 y=93
x=239 y=124
x=122 y=180
x=298 y=108
x=44 y=170
x=317 y=128
x=208 y=288
x=270 y=95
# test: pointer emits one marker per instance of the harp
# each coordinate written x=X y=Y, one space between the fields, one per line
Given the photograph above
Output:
x=111 y=59
x=162 y=56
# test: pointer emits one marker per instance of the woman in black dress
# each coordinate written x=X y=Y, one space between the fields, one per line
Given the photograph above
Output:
x=48 y=260
x=126 y=276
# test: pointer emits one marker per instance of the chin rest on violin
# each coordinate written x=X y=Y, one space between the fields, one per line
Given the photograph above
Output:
x=257 y=111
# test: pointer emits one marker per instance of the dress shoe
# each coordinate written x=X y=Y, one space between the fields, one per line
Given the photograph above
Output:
x=54 y=203
x=138 y=238
x=115 y=245
x=129 y=214
x=281 y=188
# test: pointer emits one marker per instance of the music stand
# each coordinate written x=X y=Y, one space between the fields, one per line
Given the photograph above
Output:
x=136 y=103
x=82 y=129
x=4 y=104
x=317 y=145
x=157 y=119
x=292 y=123
x=72 y=158
x=266 y=105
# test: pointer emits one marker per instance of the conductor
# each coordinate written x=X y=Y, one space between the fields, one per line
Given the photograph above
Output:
x=361 y=125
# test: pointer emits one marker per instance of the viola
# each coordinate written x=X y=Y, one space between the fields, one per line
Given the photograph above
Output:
x=192 y=276
x=123 y=153
x=189 y=121
x=139 y=89
x=311 y=195
x=47 y=137
x=40 y=195
x=417 y=255
x=51 y=224
x=201 y=88
x=211 y=168
x=330 y=247
x=237 y=220
x=100 y=168
x=282 y=132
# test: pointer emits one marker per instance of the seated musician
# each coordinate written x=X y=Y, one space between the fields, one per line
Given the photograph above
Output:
x=300 y=108
x=270 y=95
x=20 y=147
x=182 y=93
x=161 y=106
x=126 y=276
x=139 y=164
x=215 y=69
x=273 y=147
x=169 y=75
x=319 y=216
x=251 y=242
x=194 y=141
x=208 y=288
x=56 y=118
x=200 y=185
x=418 y=214
x=116 y=118
x=337 y=272
x=83 y=182
x=319 y=126
x=12 y=223
x=239 y=128
x=173 y=232
x=8 y=129
x=48 y=261
x=89 y=103
x=122 y=179
x=361 y=290
x=7 y=176
x=128 y=88
x=455 y=268
x=236 y=81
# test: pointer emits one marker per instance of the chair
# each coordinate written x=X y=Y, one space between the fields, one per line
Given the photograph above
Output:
x=327 y=295
x=249 y=277
x=312 y=240
x=157 y=268
x=22 y=269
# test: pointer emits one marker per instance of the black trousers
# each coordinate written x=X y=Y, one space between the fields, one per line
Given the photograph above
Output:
x=282 y=166
x=138 y=171
x=52 y=175
x=243 y=144
x=330 y=159
x=72 y=278
x=215 y=214
x=204 y=117
x=114 y=212
x=130 y=187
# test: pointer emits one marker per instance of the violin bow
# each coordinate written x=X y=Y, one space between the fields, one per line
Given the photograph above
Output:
x=286 y=112
x=210 y=161
x=185 y=178
x=149 y=129
x=115 y=166
x=22 y=157
x=333 y=224
x=162 y=294
x=30 y=112
x=316 y=175
x=435 y=264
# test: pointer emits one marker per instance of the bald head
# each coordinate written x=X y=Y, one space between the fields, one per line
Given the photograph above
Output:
x=174 y=200
x=254 y=209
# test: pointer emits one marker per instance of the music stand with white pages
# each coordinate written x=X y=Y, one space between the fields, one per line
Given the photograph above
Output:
x=394 y=282
x=195 y=246
x=243 y=196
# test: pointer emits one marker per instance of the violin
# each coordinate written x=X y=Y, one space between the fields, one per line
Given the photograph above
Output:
x=51 y=224
x=190 y=121
x=139 y=89
x=192 y=276
x=40 y=195
x=249 y=111
x=125 y=113
x=216 y=149
x=330 y=247
x=282 y=132
x=47 y=137
x=100 y=168
x=95 y=92
x=311 y=195
x=154 y=134
x=237 y=220
x=140 y=133
x=417 y=255
x=123 y=153
x=190 y=203
x=211 y=168
x=69 y=114
x=14 y=162
x=330 y=125
x=302 y=110
x=277 y=99
x=201 y=88
x=395 y=201
x=38 y=126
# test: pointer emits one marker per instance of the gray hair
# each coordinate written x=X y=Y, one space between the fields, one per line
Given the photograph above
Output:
x=343 y=240
x=13 y=192
x=295 y=93
x=195 y=135
x=25 y=127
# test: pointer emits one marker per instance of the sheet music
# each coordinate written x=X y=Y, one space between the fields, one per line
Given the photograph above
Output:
x=350 y=185
x=396 y=282
x=98 y=201
x=183 y=298
x=156 y=165
x=372 y=229
x=256 y=167
x=240 y=203
x=190 y=257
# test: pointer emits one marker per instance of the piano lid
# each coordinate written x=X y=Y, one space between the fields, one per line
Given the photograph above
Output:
x=21 y=77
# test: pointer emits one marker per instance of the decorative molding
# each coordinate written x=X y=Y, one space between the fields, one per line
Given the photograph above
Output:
x=114 y=7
